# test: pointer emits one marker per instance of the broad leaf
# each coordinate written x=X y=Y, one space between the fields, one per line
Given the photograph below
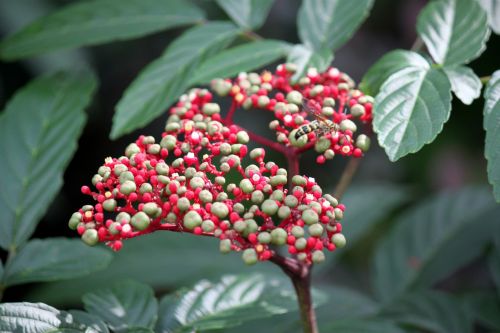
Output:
x=241 y=58
x=1 y=272
x=96 y=22
x=363 y=325
x=41 y=318
x=39 y=130
x=229 y=302
x=163 y=80
x=427 y=243
x=367 y=210
x=494 y=261
x=389 y=64
x=127 y=304
x=492 y=8
x=411 y=109
x=54 y=259
x=165 y=251
x=432 y=311
x=248 y=14
x=454 y=31
x=485 y=307
x=305 y=58
x=491 y=124
x=328 y=24
x=464 y=83
x=90 y=320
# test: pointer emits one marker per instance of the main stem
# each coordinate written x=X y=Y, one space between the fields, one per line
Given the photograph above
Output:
x=300 y=274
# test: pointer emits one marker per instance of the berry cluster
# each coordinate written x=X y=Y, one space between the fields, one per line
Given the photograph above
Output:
x=331 y=95
x=195 y=180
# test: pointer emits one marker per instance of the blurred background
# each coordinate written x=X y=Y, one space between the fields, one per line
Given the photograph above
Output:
x=167 y=261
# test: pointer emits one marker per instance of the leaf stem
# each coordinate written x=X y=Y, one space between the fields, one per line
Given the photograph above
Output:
x=346 y=178
x=250 y=35
x=300 y=274
x=485 y=79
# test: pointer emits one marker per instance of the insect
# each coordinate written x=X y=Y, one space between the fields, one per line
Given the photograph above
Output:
x=320 y=125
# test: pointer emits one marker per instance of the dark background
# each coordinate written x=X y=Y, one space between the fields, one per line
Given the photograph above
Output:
x=455 y=159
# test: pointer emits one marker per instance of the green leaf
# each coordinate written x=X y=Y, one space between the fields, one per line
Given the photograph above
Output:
x=39 y=130
x=363 y=325
x=492 y=8
x=464 y=83
x=90 y=320
x=54 y=259
x=304 y=58
x=248 y=14
x=241 y=58
x=163 y=80
x=229 y=302
x=328 y=24
x=485 y=307
x=389 y=64
x=411 y=109
x=98 y=21
x=127 y=304
x=494 y=261
x=40 y=318
x=369 y=209
x=432 y=311
x=1 y=272
x=454 y=31
x=491 y=124
x=428 y=242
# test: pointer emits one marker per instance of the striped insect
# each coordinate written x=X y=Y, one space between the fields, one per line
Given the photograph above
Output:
x=320 y=125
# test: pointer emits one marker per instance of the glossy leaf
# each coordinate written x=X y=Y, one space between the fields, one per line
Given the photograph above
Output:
x=454 y=31
x=304 y=58
x=431 y=311
x=492 y=8
x=427 y=242
x=248 y=14
x=229 y=302
x=163 y=80
x=241 y=58
x=98 y=21
x=389 y=64
x=39 y=130
x=491 y=124
x=363 y=325
x=127 y=304
x=328 y=24
x=54 y=259
x=485 y=307
x=41 y=318
x=360 y=222
x=411 y=109
x=464 y=83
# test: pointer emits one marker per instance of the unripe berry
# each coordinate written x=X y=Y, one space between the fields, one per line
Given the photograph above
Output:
x=74 y=220
x=211 y=108
x=196 y=182
x=294 y=97
x=322 y=144
x=132 y=149
x=240 y=226
x=357 y=110
x=339 y=214
x=264 y=237
x=284 y=212
x=90 y=237
x=363 y=142
x=183 y=204
x=334 y=202
x=318 y=257
x=249 y=257
x=128 y=187
x=270 y=207
x=291 y=201
x=140 y=221
x=205 y=196
x=192 y=220
x=246 y=186
x=278 y=180
x=242 y=137
x=123 y=217
x=310 y=216
x=151 y=209
x=278 y=236
x=300 y=243
x=339 y=240
x=109 y=205
x=298 y=231
x=316 y=230
x=220 y=209
x=347 y=124
x=299 y=180
x=257 y=197
x=225 y=246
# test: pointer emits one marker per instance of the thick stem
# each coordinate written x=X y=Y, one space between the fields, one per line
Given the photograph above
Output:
x=292 y=160
x=346 y=177
x=300 y=274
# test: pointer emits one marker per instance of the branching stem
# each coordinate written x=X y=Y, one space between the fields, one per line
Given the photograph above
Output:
x=346 y=178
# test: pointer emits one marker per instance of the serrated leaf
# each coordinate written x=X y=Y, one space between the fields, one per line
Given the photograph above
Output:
x=389 y=64
x=485 y=307
x=363 y=325
x=229 y=302
x=89 y=320
x=367 y=210
x=464 y=83
x=491 y=124
x=492 y=8
x=427 y=242
x=38 y=136
x=411 y=109
x=248 y=14
x=163 y=80
x=304 y=58
x=241 y=58
x=54 y=259
x=96 y=22
x=127 y=304
x=432 y=311
x=454 y=31
x=40 y=318
x=328 y=24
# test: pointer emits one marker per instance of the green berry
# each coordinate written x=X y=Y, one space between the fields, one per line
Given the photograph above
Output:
x=132 y=149
x=270 y=207
x=284 y=212
x=74 y=220
x=316 y=230
x=151 y=209
x=257 y=197
x=363 y=142
x=220 y=209
x=279 y=236
x=146 y=188
x=357 y=110
x=278 y=180
x=211 y=108
x=240 y=226
x=347 y=124
x=109 y=205
x=249 y=257
x=318 y=257
x=264 y=237
x=339 y=214
x=301 y=243
x=140 y=221
x=196 y=182
x=207 y=226
x=183 y=204
x=123 y=216
x=298 y=231
x=128 y=187
x=299 y=180
x=225 y=246
x=277 y=195
x=339 y=240
x=334 y=202
x=90 y=237
x=291 y=201
x=294 y=97
x=119 y=168
x=192 y=220
x=322 y=144
x=113 y=228
x=246 y=186
x=310 y=216
x=242 y=137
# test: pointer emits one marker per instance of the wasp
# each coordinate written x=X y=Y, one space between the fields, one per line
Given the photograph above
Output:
x=320 y=125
